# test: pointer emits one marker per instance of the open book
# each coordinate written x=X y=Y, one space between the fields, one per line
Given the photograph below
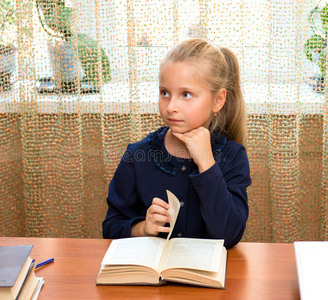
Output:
x=154 y=261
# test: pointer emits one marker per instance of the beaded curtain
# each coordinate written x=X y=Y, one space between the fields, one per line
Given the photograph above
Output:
x=78 y=82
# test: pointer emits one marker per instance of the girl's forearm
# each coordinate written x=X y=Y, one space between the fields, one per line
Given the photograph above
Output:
x=206 y=164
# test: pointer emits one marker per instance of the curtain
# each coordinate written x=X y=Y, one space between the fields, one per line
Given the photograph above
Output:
x=80 y=82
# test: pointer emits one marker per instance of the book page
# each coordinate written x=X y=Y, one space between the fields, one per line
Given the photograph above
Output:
x=174 y=207
x=143 y=251
x=200 y=254
x=146 y=251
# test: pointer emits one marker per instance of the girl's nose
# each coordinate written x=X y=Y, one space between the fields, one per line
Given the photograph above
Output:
x=172 y=105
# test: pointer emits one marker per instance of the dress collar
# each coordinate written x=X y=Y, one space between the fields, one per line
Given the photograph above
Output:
x=168 y=164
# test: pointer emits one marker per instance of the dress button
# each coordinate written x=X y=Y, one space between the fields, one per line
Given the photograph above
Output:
x=179 y=234
x=183 y=169
x=181 y=204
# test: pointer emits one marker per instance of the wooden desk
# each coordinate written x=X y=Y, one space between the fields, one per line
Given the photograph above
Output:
x=255 y=271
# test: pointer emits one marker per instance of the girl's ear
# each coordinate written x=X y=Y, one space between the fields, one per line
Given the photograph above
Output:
x=220 y=99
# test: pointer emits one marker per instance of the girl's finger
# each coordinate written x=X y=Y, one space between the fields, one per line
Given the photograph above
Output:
x=160 y=202
x=159 y=219
x=162 y=229
x=156 y=209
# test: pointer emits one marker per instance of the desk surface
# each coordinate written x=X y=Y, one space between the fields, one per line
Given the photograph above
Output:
x=255 y=271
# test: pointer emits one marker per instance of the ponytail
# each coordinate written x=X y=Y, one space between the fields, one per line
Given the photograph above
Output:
x=231 y=119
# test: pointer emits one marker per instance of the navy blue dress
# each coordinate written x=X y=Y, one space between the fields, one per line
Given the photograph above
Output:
x=213 y=203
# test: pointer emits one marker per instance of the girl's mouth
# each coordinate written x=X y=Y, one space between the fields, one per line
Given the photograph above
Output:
x=174 y=120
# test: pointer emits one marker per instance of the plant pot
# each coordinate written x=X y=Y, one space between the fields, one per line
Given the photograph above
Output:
x=7 y=66
x=68 y=76
x=66 y=67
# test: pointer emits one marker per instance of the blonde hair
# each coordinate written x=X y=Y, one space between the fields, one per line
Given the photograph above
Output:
x=220 y=70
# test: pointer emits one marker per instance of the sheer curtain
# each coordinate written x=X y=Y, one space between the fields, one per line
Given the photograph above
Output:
x=60 y=148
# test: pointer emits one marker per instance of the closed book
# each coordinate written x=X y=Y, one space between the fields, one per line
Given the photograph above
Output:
x=15 y=265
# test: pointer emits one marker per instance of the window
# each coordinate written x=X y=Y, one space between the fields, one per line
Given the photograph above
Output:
x=267 y=37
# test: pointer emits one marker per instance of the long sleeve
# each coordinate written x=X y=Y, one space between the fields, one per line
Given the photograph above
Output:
x=123 y=208
x=223 y=197
x=213 y=203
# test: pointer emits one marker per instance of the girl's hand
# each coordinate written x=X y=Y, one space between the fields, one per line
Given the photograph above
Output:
x=157 y=216
x=198 y=143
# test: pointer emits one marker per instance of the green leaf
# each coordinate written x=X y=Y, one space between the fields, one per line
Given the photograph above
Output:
x=7 y=13
x=88 y=56
x=324 y=17
x=314 y=44
x=323 y=62
x=57 y=17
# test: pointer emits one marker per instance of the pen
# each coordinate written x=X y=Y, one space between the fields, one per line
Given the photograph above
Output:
x=41 y=264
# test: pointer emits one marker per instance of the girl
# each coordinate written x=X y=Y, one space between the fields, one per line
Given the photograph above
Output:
x=199 y=156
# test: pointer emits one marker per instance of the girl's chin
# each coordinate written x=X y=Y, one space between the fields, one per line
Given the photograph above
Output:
x=177 y=130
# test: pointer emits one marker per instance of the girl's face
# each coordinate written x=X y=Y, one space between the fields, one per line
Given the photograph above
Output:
x=184 y=102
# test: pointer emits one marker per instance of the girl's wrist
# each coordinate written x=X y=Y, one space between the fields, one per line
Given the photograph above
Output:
x=138 y=229
x=204 y=166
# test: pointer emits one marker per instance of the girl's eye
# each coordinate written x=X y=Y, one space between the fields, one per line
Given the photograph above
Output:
x=187 y=95
x=165 y=93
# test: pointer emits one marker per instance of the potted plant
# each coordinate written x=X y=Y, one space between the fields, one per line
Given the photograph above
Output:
x=7 y=49
x=74 y=55
x=315 y=47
